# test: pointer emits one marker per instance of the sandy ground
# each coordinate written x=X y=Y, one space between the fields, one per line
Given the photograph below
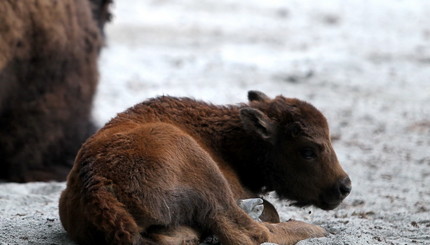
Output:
x=364 y=63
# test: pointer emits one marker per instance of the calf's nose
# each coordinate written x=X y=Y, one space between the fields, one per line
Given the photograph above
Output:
x=345 y=186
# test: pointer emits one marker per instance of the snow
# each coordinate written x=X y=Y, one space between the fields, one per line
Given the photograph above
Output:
x=364 y=64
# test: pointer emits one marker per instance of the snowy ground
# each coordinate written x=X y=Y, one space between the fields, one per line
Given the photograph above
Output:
x=364 y=63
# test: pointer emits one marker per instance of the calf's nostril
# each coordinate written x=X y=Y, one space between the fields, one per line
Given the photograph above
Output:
x=345 y=186
x=345 y=190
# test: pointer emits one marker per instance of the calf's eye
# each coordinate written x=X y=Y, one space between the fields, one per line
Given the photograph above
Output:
x=308 y=153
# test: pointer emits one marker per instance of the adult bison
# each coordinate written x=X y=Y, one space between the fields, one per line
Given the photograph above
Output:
x=48 y=76
x=171 y=170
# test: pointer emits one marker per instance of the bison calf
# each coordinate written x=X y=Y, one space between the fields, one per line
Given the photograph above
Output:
x=171 y=170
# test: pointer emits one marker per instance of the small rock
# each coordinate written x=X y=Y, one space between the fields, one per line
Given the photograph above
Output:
x=253 y=207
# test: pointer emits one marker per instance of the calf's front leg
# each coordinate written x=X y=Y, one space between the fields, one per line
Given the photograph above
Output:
x=293 y=231
x=282 y=233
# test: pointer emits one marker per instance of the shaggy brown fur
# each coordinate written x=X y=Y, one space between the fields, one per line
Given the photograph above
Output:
x=170 y=170
x=48 y=76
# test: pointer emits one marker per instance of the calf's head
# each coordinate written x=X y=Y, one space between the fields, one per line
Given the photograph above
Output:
x=301 y=164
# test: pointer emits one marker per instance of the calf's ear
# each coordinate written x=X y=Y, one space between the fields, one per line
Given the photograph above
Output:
x=254 y=95
x=256 y=121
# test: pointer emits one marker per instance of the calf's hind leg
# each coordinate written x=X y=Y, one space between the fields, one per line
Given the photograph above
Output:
x=181 y=235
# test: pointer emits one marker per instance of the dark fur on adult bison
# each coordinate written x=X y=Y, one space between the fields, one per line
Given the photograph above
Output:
x=171 y=170
x=48 y=76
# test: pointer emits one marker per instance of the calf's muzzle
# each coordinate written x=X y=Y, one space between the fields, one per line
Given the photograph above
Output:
x=333 y=196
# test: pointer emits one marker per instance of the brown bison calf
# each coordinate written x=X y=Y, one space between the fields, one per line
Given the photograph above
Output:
x=48 y=76
x=171 y=170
